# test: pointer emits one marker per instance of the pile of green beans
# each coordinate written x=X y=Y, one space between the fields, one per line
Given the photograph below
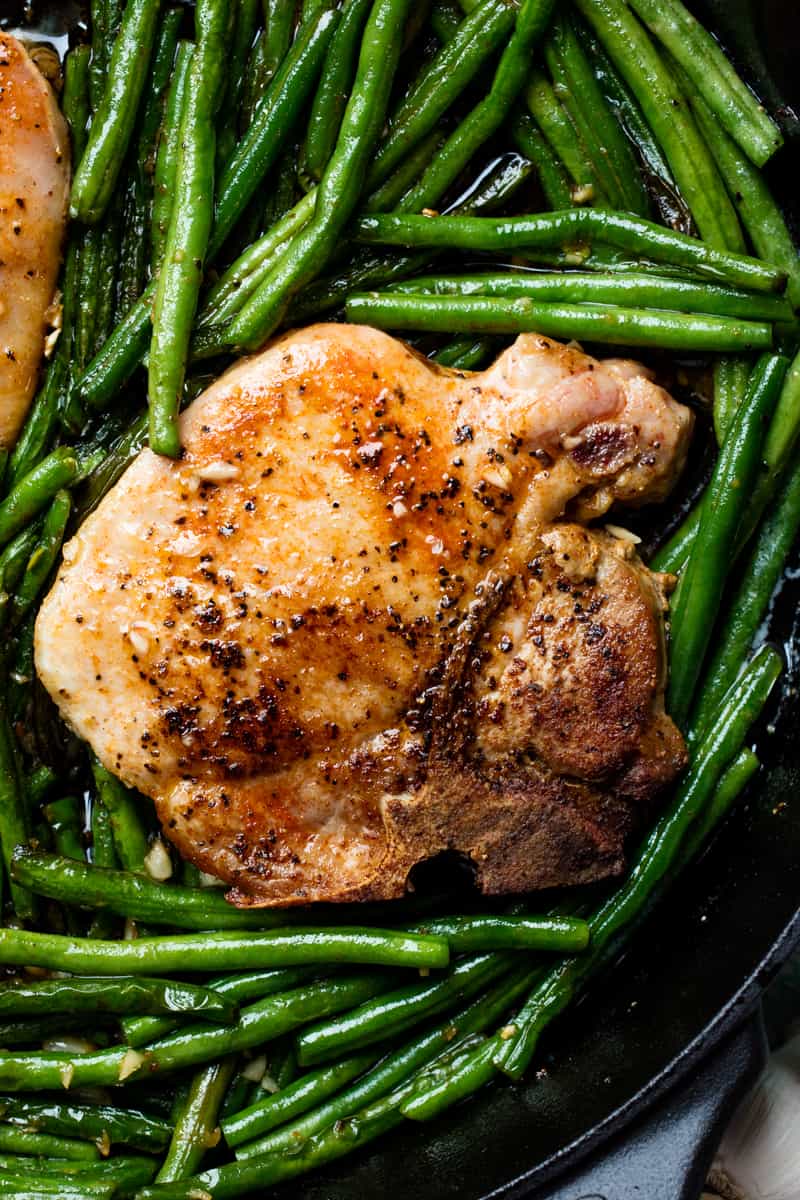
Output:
x=462 y=172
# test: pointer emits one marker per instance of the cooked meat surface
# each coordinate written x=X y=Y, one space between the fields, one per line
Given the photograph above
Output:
x=34 y=189
x=360 y=622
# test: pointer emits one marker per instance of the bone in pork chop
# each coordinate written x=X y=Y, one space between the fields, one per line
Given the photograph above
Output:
x=34 y=189
x=360 y=622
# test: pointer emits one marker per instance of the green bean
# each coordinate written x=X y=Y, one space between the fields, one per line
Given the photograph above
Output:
x=49 y=1174
x=735 y=472
x=13 y=561
x=295 y=1099
x=342 y=182
x=244 y=276
x=124 y=350
x=711 y=72
x=673 y=554
x=285 y=193
x=282 y=1066
x=490 y=112
x=101 y=1122
x=40 y=783
x=88 y=271
x=64 y=818
x=608 y=147
x=272 y=122
x=190 y=224
x=633 y=289
x=108 y=271
x=196 y=1126
x=39 y=428
x=750 y=602
x=781 y=438
x=119 y=996
x=552 y=176
x=130 y=839
x=162 y=66
x=43 y=558
x=167 y=156
x=638 y=61
x=632 y=120
x=661 y=851
x=75 y=100
x=123 y=1173
x=103 y=854
x=445 y=19
x=35 y=490
x=494 y=187
x=337 y=76
x=256 y=80
x=115 y=118
x=34 y=1187
x=279 y=21
x=20 y=677
x=13 y=820
x=100 y=51
x=465 y=354
x=20 y=1141
x=554 y=230
x=591 y=322
x=395 y=1069
x=238 y=1095
x=560 y=134
x=236 y=989
x=120 y=454
x=136 y=896
x=478 y=934
x=760 y=215
x=398 y=1010
x=244 y=32
x=217 y=950
x=258 y=1023
x=440 y=84
x=331 y=292
x=732 y=783
x=438 y=1088
x=730 y=385
x=390 y=193
x=116 y=361
x=241 y=1179
x=310 y=8
x=33 y=1033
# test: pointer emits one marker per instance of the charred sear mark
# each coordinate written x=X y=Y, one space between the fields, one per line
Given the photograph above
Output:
x=251 y=724
x=225 y=656
x=208 y=616
x=181 y=720
x=603 y=447
x=259 y=856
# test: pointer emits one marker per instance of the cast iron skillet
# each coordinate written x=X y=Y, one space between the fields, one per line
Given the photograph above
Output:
x=635 y=1083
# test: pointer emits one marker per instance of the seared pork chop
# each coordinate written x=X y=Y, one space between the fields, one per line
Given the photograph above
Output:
x=34 y=189
x=359 y=621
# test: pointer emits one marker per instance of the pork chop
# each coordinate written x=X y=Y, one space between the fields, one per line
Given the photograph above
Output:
x=359 y=621
x=34 y=190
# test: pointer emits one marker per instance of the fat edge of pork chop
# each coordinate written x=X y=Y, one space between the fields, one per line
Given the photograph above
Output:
x=352 y=627
x=34 y=191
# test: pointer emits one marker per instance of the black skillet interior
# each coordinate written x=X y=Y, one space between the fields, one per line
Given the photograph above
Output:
x=697 y=965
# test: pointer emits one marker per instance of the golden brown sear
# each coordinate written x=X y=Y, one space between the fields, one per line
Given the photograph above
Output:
x=361 y=621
